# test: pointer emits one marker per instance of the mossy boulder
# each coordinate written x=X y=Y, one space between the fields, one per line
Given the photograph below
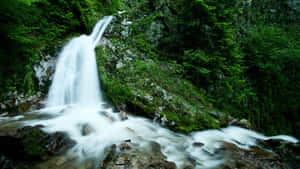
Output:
x=33 y=144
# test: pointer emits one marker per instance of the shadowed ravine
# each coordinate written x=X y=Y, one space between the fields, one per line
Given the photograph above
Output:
x=75 y=102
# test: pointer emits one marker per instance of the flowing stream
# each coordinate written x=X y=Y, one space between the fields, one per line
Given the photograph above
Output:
x=75 y=101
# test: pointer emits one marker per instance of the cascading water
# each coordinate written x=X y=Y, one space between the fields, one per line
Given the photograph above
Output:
x=75 y=101
x=76 y=79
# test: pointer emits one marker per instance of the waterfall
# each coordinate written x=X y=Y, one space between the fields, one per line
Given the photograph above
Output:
x=76 y=79
x=75 y=101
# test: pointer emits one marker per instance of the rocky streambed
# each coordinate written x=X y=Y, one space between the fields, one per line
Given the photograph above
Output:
x=33 y=147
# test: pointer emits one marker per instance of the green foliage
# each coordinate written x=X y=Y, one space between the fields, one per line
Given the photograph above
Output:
x=31 y=28
x=201 y=37
x=237 y=52
x=153 y=87
x=272 y=57
x=140 y=42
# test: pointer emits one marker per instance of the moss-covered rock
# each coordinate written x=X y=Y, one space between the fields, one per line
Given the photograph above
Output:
x=136 y=79
x=33 y=144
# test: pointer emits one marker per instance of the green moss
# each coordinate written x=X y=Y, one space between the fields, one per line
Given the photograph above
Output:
x=149 y=87
x=33 y=146
x=186 y=123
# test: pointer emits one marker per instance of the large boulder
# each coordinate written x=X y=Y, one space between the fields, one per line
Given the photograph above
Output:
x=283 y=155
x=127 y=156
x=33 y=144
x=289 y=152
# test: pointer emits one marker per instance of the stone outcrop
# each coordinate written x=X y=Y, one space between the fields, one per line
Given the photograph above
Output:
x=127 y=156
x=271 y=154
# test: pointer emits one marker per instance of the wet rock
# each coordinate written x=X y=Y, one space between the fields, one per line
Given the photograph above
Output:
x=123 y=115
x=187 y=167
x=106 y=114
x=288 y=152
x=155 y=147
x=136 y=158
x=109 y=156
x=162 y=165
x=122 y=160
x=31 y=143
x=24 y=107
x=124 y=146
x=18 y=103
x=86 y=129
x=198 y=144
x=257 y=158
x=190 y=163
x=164 y=120
x=61 y=160
x=107 y=106
x=245 y=123
x=241 y=123
x=86 y=165
x=119 y=108
x=277 y=144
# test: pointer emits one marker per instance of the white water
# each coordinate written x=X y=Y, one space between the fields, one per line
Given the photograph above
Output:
x=75 y=100
x=76 y=79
